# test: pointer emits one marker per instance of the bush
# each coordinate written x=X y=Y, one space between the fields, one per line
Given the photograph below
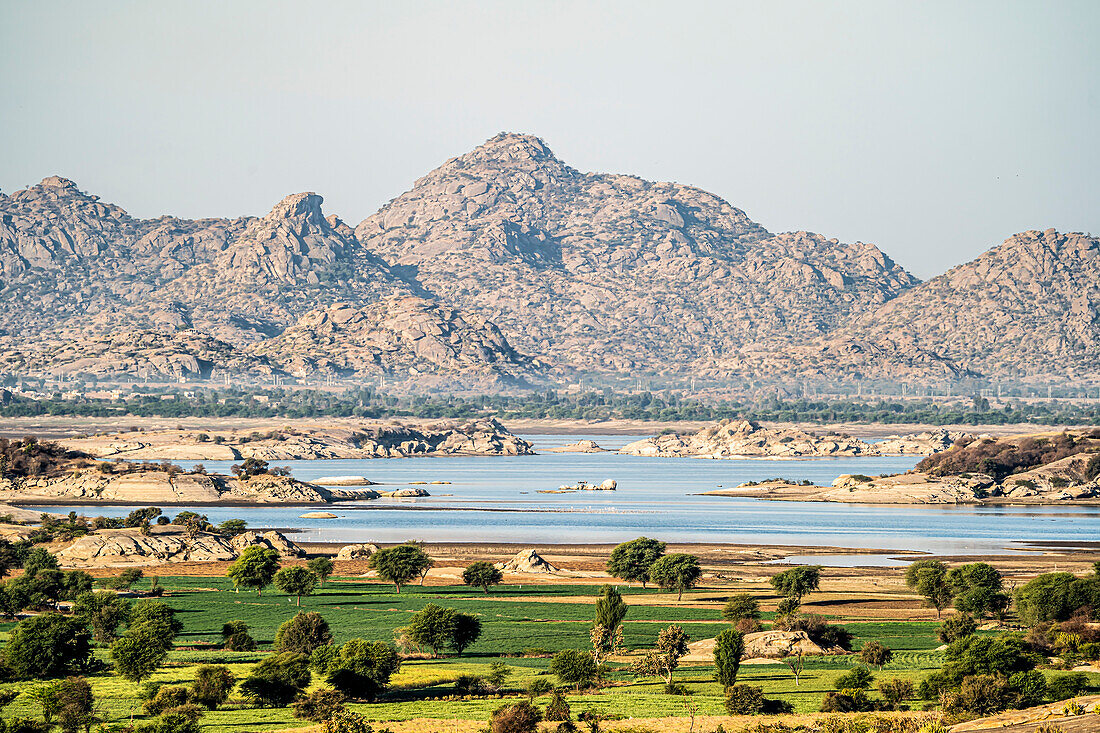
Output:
x=48 y=645
x=303 y=633
x=319 y=705
x=1028 y=688
x=469 y=684
x=984 y=655
x=138 y=654
x=857 y=678
x=932 y=686
x=846 y=701
x=277 y=680
x=212 y=686
x=359 y=668
x=166 y=697
x=346 y=721
x=875 y=654
x=740 y=607
x=522 y=717
x=1065 y=686
x=895 y=692
x=983 y=694
x=558 y=709
x=744 y=700
x=235 y=637
x=955 y=627
x=1054 y=597
x=573 y=667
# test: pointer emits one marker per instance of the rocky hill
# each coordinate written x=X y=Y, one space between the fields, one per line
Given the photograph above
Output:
x=610 y=272
x=505 y=266
x=1028 y=309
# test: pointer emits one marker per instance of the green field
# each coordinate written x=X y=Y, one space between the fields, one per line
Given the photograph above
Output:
x=511 y=626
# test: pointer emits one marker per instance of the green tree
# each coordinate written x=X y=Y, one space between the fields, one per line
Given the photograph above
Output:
x=929 y=579
x=103 y=612
x=1055 y=597
x=303 y=633
x=664 y=658
x=611 y=609
x=235 y=637
x=400 y=564
x=956 y=626
x=232 y=527
x=322 y=567
x=138 y=653
x=156 y=620
x=740 y=607
x=38 y=559
x=979 y=589
x=895 y=692
x=729 y=645
x=678 y=572
x=47 y=645
x=976 y=655
x=125 y=579
x=875 y=654
x=573 y=667
x=632 y=560
x=359 y=668
x=212 y=685
x=482 y=575
x=857 y=678
x=797 y=582
x=75 y=705
x=296 y=581
x=441 y=628
x=277 y=680
x=255 y=568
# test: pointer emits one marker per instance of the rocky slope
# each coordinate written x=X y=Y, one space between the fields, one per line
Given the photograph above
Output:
x=608 y=272
x=1027 y=309
x=742 y=438
x=129 y=547
x=504 y=266
x=367 y=440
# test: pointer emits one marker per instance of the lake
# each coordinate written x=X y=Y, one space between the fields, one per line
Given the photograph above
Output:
x=495 y=499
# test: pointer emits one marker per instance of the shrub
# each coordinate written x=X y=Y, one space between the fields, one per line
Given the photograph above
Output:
x=47 y=645
x=741 y=607
x=957 y=626
x=857 y=678
x=138 y=653
x=346 y=721
x=895 y=691
x=303 y=633
x=932 y=686
x=573 y=667
x=875 y=654
x=983 y=694
x=103 y=611
x=235 y=637
x=1066 y=686
x=277 y=680
x=171 y=722
x=744 y=700
x=359 y=668
x=469 y=684
x=984 y=655
x=319 y=705
x=1028 y=688
x=166 y=697
x=558 y=709
x=522 y=717
x=212 y=685
x=846 y=701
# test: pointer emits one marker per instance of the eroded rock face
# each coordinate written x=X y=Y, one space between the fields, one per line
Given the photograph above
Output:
x=780 y=644
x=120 y=547
x=739 y=438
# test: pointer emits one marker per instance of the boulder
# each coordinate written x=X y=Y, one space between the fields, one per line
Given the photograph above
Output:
x=406 y=493
x=123 y=547
x=779 y=644
x=356 y=552
x=272 y=540
x=527 y=561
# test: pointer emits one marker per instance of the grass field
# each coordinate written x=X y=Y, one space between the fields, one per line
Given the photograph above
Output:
x=511 y=625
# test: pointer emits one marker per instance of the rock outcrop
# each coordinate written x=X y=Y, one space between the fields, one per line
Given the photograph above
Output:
x=581 y=446
x=527 y=561
x=164 y=544
x=360 y=551
x=920 y=444
x=368 y=440
x=742 y=438
x=780 y=644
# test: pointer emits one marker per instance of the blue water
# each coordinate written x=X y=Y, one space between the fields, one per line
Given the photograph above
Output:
x=494 y=499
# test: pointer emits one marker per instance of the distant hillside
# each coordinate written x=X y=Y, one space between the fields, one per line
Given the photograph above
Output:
x=507 y=266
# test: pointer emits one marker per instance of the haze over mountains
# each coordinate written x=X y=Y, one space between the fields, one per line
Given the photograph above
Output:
x=506 y=266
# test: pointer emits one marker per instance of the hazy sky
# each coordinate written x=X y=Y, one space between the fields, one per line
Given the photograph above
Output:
x=933 y=129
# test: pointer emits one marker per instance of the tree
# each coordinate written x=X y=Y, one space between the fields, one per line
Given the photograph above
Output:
x=441 y=628
x=632 y=560
x=498 y=674
x=729 y=645
x=277 y=680
x=232 y=527
x=322 y=567
x=212 y=685
x=796 y=663
x=976 y=655
x=482 y=575
x=929 y=579
x=38 y=559
x=251 y=467
x=255 y=568
x=75 y=705
x=522 y=717
x=47 y=645
x=797 y=582
x=857 y=678
x=399 y=565
x=103 y=612
x=895 y=691
x=610 y=609
x=156 y=620
x=319 y=705
x=558 y=708
x=1055 y=597
x=979 y=589
x=740 y=607
x=138 y=653
x=235 y=637
x=957 y=626
x=573 y=667
x=303 y=633
x=677 y=572
x=295 y=581
x=875 y=654
x=125 y=579
x=744 y=700
x=8 y=558
x=359 y=668
x=664 y=658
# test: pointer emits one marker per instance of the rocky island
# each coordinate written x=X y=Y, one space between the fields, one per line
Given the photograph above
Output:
x=1031 y=469
x=746 y=439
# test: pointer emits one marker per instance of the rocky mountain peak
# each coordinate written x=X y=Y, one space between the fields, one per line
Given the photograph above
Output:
x=511 y=147
x=299 y=206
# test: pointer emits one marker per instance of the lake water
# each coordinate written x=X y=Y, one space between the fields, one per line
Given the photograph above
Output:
x=495 y=499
